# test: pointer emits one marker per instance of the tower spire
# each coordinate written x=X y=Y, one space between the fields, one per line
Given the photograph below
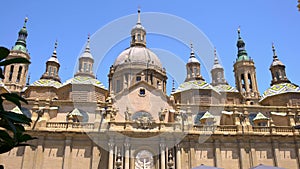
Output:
x=242 y=53
x=192 y=51
x=173 y=85
x=21 y=41
x=139 y=16
x=216 y=61
x=54 y=51
x=87 y=47
x=274 y=52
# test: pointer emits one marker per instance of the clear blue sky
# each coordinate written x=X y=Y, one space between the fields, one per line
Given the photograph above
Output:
x=262 y=22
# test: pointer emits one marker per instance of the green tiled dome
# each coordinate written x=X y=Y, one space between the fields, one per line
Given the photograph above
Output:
x=280 y=89
x=195 y=84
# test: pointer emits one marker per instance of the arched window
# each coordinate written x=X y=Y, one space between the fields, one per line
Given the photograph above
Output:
x=243 y=82
x=250 y=81
x=11 y=72
x=84 y=67
x=139 y=37
x=50 y=70
x=277 y=75
x=19 y=74
x=54 y=71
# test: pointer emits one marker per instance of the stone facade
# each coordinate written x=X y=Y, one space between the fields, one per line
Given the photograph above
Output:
x=134 y=124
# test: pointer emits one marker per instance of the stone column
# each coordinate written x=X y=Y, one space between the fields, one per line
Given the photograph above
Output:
x=178 y=157
x=111 y=154
x=28 y=156
x=132 y=159
x=218 y=159
x=253 y=157
x=127 y=155
x=67 y=161
x=244 y=156
x=39 y=153
x=95 y=160
x=162 y=156
x=275 y=152
x=297 y=150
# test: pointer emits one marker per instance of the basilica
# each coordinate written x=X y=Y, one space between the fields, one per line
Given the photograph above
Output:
x=135 y=124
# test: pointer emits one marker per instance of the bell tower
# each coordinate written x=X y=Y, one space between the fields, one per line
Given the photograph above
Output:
x=15 y=74
x=245 y=75
x=277 y=69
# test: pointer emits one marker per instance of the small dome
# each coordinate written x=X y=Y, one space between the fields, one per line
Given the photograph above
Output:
x=86 y=55
x=23 y=31
x=138 y=55
x=193 y=60
x=138 y=26
x=276 y=63
x=53 y=59
x=20 y=48
x=217 y=66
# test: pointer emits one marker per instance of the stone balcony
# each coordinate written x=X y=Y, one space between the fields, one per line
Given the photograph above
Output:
x=169 y=127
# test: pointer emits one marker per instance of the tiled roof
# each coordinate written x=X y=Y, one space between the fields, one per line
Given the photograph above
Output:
x=47 y=83
x=75 y=112
x=280 y=89
x=207 y=115
x=260 y=116
x=84 y=80
x=225 y=88
x=195 y=84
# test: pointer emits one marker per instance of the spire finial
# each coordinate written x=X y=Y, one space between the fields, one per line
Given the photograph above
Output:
x=25 y=21
x=215 y=56
x=87 y=47
x=192 y=50
x=274 y=51
x=239 y=31
x=139 y=16
x=173 y=85
x=55 y=47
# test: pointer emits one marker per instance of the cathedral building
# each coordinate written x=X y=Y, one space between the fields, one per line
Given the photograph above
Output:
x=135 y=124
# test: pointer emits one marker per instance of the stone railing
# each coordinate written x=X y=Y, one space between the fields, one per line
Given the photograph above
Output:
x=196 y=129
x=284 y=129
x=261 y=129
x=69 y=125
x=227 y=129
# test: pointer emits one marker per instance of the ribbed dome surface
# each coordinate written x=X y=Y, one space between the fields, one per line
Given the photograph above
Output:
x=138 y=55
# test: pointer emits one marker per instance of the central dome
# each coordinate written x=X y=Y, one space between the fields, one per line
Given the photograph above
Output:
x=138 y=55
